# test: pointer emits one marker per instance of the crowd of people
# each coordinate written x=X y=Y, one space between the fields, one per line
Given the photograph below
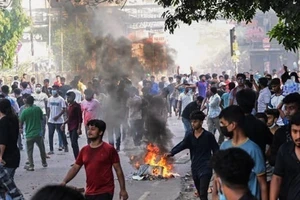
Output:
x=253 y=129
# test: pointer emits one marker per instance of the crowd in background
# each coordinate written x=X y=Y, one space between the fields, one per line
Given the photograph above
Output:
x=255 y=112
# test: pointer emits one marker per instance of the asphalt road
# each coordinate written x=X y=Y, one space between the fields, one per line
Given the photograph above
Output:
x=59 y=164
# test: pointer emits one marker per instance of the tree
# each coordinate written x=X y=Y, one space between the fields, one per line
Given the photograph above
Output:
x=188 y=11
x=77 y=39
x=12 y=25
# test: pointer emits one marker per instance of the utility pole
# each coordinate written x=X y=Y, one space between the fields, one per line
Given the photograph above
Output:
x=31 y=37
x=61 y=39
x=49 y=34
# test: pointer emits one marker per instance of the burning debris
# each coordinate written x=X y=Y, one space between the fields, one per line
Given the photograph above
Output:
x=152 y=165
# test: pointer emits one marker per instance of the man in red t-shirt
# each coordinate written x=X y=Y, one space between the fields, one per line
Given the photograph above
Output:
x=98 y=159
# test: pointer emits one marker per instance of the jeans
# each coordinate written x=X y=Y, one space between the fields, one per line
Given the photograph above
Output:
x=74 y=142
x=44 y=122
x=105 y=196
x=213 y=123
x=187 y=126
x=202 y=184
x=137 y=131
x=11 y=172
x=20 y=145
x=114 y=130
x=52 y=127
x=39 y=141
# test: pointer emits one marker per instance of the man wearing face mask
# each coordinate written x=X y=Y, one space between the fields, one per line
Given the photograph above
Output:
x=56 y=108
x=232 y=120
x=41 y=100
x=241 y=78
x=233 y=168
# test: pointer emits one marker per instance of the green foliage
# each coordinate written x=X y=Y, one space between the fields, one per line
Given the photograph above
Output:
x=187 y=11
x=12 y=25
x=77 y=39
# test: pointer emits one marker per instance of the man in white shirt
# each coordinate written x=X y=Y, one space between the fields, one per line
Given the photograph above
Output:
x=276 y=98
x=184 y=99
x=56 y=108
x=41 y=100
x=264 y=95
x=214 y=111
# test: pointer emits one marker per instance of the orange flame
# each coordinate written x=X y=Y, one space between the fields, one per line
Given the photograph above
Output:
x=154 y=157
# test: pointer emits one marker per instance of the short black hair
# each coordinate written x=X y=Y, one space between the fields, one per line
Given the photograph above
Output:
x=17 y=91
x=38 y=85
x=246 y=99
x=101 y=125
x=30 y=100
x=226 y=76
x=55 y=87
x=152 y=76
x=233 y=114
x=262 y=115
x=71 y=94
x=24 y=84
x=263 y=81
x=197 y=115
x=5 y=89
x=200 y=77
x=231 y=85
x=240 y=75
x=24 y=96
x=214 y=75
x=171 y=78
x=233 y=166
x=46 y=80
x=200 y=98
x=57 y=192
x=295 y=120
x=292 y=98
x=13 y=87
x=275 y=81
x=273 y=112
x=214 y=90
x=89 y=92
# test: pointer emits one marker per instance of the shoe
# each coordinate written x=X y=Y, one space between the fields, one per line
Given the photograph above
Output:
x=45 y=165
x=50 y=153
x=66 y=149
x=27 y=163
x=60 y=149
x=30 y=169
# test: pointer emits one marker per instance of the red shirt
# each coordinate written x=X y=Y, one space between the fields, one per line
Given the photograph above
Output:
x=74 y=116
x=98 y=164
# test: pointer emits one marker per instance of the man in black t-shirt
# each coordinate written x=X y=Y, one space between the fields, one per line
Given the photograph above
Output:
x=285 y=184
x=233 y=167
x=193 y=106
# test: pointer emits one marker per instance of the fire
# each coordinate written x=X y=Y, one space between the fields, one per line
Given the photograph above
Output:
x=154 y=157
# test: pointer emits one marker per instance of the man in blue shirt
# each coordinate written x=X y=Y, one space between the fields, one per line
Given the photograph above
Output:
x=201 y=144
x=154 y=87
x=232 y=120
